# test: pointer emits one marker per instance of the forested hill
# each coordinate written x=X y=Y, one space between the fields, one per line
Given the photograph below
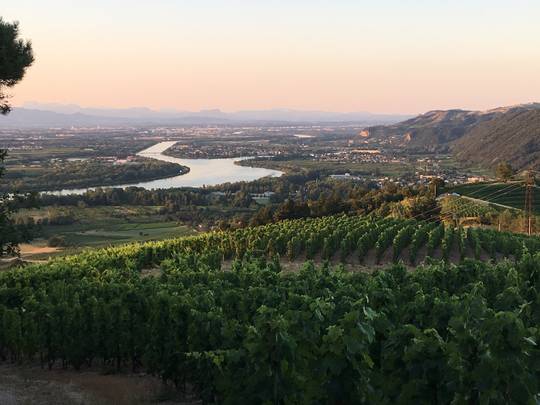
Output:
x=430 y=131
x=513 y=137
x=438 y=130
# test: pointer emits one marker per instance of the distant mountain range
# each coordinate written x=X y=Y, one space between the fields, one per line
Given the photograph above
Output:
x=60 y=115
x=484 y=137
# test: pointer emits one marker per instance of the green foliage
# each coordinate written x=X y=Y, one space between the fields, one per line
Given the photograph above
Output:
x=453 y=207
x=511 y=194
x=447 y=242
x=385 y=239
x=10 y=234
x=444 y=333
x=504 y=171
x=419 y=239
x=403 y=239
x=15 y=56
x=88 y=173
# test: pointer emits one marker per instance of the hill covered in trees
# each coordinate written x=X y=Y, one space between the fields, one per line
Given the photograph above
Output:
x=466 y=133
x=512 y=137
x=431 y=131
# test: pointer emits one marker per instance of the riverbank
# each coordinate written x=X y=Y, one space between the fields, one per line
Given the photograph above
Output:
x=201 y=173
x=88 y=174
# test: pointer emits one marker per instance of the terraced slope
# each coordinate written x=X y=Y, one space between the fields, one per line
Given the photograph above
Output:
x=250 y=333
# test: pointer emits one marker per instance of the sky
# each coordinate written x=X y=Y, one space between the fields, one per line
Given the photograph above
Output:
x=384 y=56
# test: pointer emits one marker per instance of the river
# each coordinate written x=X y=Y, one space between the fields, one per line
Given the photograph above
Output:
x=203 y=172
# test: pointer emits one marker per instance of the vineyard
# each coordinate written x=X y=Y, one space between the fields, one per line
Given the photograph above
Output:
x=216 y=315
x=459 y=207
x=509 y=194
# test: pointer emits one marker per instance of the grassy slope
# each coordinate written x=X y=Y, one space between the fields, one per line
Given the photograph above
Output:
x=512 y=137
x=500 y=193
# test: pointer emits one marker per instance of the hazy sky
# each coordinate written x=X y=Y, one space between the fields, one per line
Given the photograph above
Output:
x=396 y=56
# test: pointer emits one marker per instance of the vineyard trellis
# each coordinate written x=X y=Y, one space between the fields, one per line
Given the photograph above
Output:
x=457 y=333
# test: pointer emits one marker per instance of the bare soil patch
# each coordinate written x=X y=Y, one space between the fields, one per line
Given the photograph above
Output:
x=28 y=249
x=33 y=385
x=369 y=263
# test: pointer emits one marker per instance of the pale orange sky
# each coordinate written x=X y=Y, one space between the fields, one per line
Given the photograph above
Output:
x=387 y=56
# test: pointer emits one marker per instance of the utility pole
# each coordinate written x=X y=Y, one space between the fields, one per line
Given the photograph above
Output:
x=529 y=198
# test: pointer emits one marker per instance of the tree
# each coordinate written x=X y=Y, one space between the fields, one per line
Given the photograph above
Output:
x=436 y=184
x=504 y=171
x=15 y=56
x=291 y=210
x=9 y=232
x=262 y=217
x=242 y=199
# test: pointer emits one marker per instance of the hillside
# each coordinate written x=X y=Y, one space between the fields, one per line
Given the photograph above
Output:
x=513 y=137
x=430 y=131
x=259 y=333
x=436 y=130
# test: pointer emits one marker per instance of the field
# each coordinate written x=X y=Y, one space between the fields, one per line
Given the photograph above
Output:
x=510 y=194
x=295 y=165
x=92 y=227
x=98 y=234
x=461 y=333
x=450 y=163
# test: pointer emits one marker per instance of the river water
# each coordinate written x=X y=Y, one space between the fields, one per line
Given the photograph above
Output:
x=203 y=172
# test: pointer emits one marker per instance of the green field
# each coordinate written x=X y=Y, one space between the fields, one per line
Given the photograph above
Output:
x=45 y=153
x=103 y=226
x=223 y=314
x=511 y=194
x=81 y=237
x=100 y=234
x=295 y=165
x=449 y=162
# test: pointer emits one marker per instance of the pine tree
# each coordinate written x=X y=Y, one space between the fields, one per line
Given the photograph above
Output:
x=15 y=56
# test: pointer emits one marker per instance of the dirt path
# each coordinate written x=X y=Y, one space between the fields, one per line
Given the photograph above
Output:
x=31 y=250
x=26 y=385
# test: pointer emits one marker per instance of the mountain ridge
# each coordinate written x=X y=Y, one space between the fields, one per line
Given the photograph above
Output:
x=37 y=114
x=509 y=133
x=437 y=130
